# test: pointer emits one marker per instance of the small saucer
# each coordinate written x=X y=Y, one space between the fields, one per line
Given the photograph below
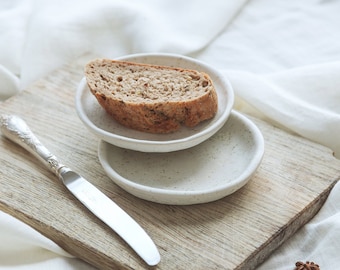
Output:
x=207 y=172
x=106 y=128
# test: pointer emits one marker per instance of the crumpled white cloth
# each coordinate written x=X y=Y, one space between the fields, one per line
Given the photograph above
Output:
x=304 y=100
x=282 y=58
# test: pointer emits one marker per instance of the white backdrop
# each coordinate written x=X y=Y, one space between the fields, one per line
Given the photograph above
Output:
x=282 y=58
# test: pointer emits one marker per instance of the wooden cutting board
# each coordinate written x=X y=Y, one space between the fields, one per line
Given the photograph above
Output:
x=237 y=232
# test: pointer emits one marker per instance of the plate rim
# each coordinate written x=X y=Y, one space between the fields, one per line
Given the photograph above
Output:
x=157 y=146
x=170 y=195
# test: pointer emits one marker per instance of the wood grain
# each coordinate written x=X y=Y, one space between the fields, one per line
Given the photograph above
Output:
x=237 y=232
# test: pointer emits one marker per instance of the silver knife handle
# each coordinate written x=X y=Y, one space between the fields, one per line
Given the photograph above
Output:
x=16 y=129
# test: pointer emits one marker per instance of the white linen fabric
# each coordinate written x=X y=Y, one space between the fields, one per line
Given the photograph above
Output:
x=282 y=58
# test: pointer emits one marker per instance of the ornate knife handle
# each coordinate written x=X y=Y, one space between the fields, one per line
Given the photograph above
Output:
x=16 y=129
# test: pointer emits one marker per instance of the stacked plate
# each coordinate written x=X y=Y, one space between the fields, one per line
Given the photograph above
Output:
x=192 y=165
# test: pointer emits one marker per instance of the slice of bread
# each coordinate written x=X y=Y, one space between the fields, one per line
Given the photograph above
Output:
x=150 y=98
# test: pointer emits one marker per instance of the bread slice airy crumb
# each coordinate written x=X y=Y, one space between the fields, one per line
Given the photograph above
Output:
x=151 y=98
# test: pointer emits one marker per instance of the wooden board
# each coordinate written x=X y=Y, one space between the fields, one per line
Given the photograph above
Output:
x=237 y=232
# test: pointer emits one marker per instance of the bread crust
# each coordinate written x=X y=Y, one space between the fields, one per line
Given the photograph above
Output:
x=156 y=114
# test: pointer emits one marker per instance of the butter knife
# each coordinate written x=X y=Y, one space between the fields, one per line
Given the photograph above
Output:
x=15 y=129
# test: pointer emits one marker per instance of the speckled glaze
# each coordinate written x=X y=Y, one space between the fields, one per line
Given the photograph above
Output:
x=101 y=124
x=207 y=172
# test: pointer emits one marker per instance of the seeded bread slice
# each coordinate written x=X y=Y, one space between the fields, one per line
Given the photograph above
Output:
x=150 y=98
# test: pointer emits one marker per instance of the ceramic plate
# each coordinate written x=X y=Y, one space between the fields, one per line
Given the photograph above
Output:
x=101 y=124
x=207 y=172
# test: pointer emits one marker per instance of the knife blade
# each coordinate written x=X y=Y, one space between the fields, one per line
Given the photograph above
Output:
x=16 y=129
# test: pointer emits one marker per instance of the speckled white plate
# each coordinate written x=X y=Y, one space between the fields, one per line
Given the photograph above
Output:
x=101 y=124
x=207 y=172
